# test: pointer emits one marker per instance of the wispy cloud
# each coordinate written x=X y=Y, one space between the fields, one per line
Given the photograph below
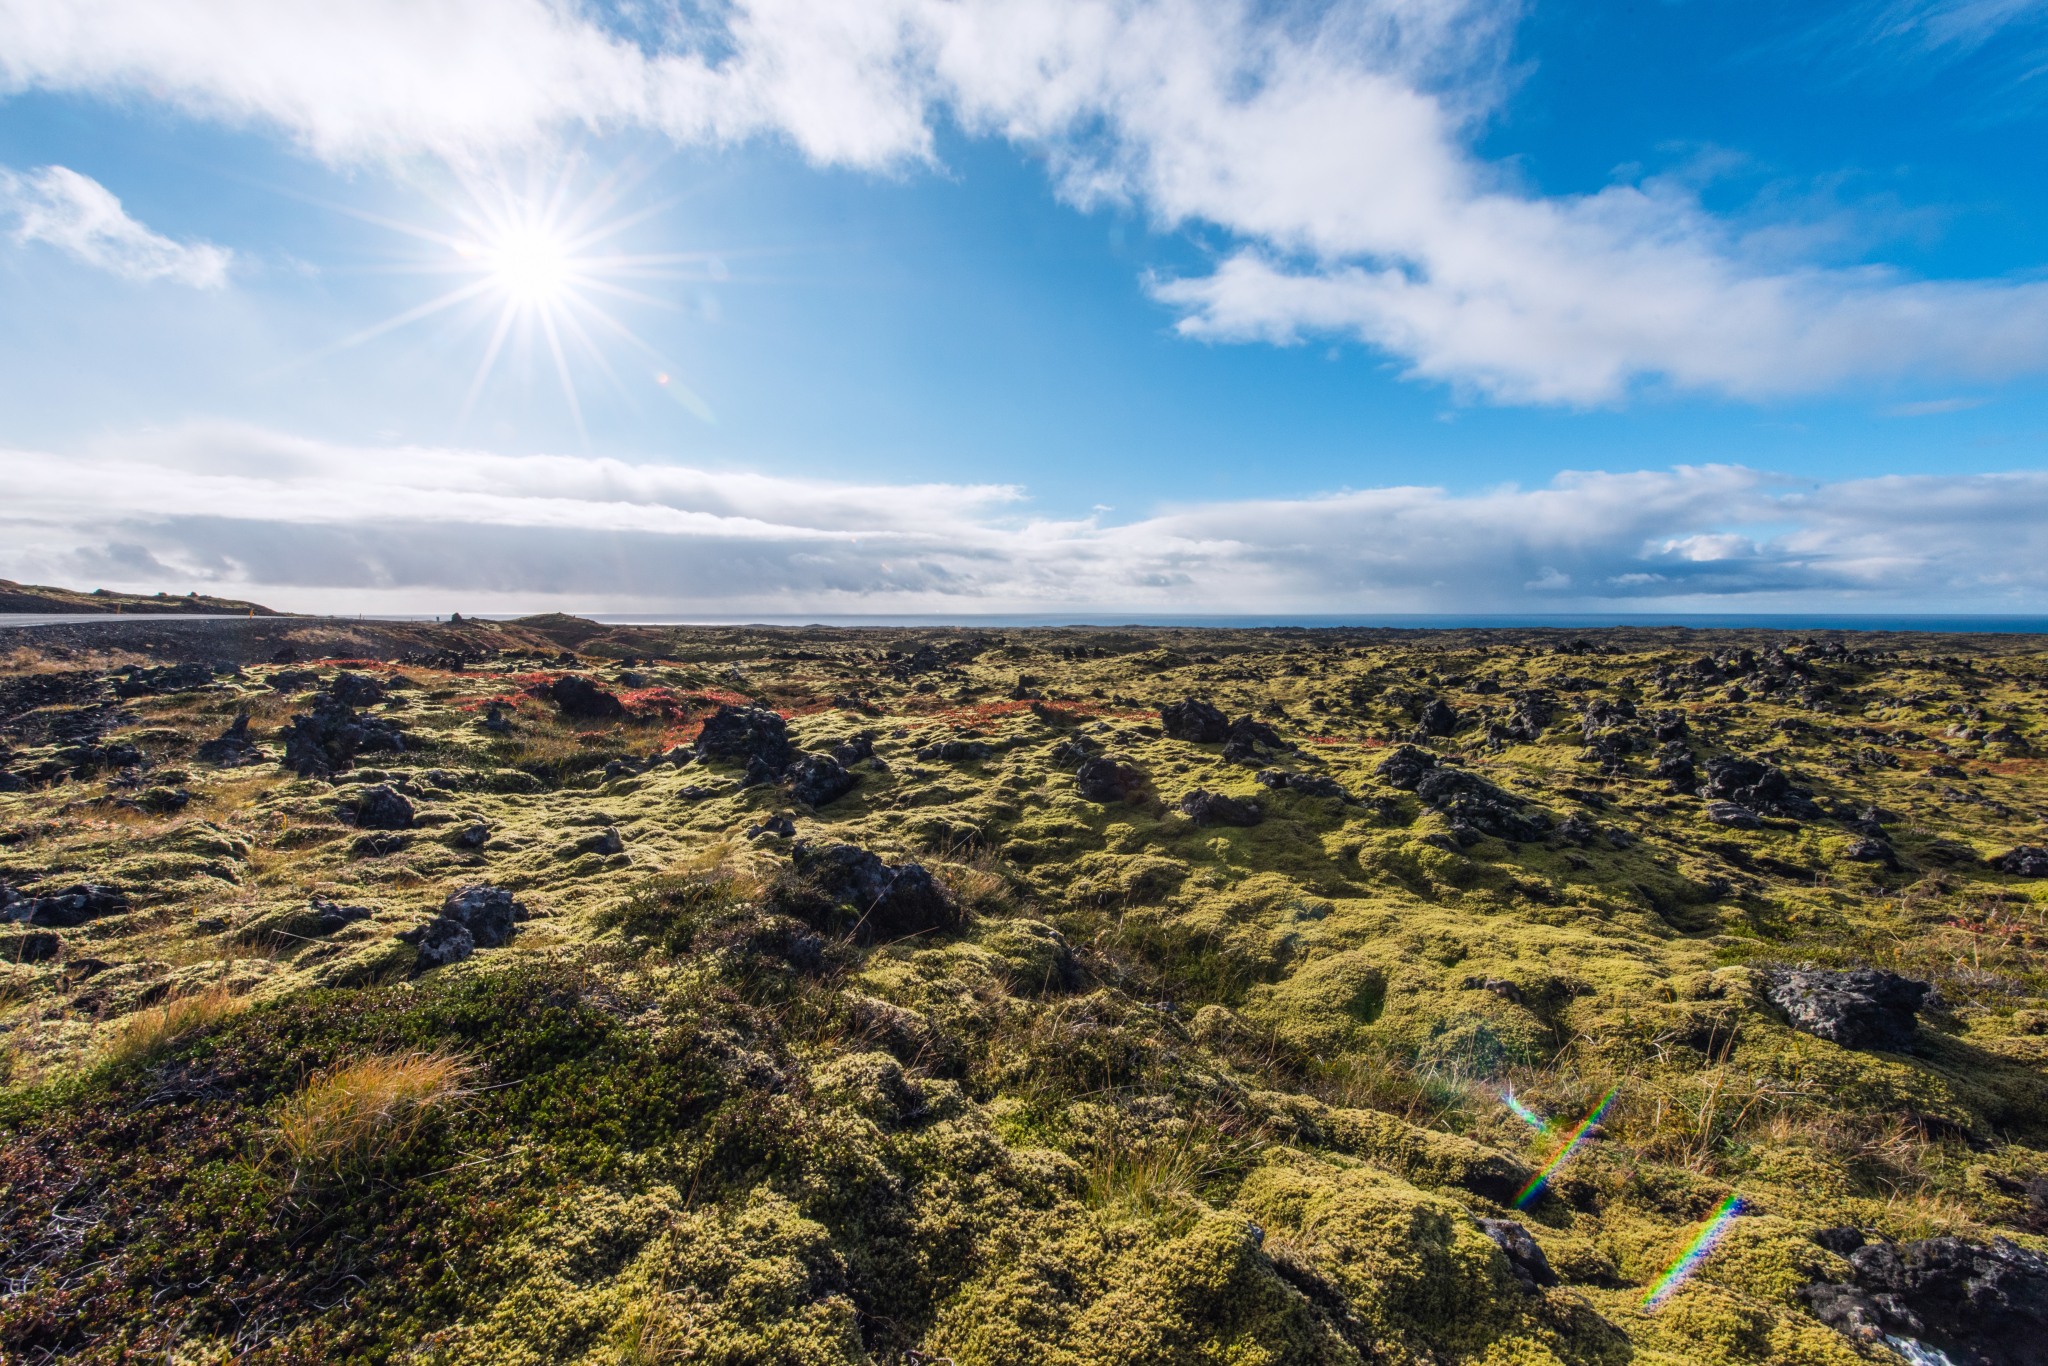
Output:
x=1333 y=151
x=306 y=523
x=1934 y=407
x=82 y=218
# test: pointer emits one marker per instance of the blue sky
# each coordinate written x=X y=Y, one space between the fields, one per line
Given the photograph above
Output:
x=974 y=306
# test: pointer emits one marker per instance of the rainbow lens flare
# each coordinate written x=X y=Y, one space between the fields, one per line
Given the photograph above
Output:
x=1524 y=1113
x=1674 y=1276
x=1536 y=1183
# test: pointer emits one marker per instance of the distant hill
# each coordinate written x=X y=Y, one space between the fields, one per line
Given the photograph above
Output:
x=36 y=597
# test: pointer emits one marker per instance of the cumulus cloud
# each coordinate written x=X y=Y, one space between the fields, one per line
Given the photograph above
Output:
x=309 y=524
x=1331 y=146
x=82 y=218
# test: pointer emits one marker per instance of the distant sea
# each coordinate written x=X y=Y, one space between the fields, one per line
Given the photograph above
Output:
x=1819 y=621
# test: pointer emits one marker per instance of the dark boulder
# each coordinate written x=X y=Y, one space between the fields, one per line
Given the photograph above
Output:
x=847 y=753
x=1860 y=1008
x=1475 y=807
x=1195 y=721
x=141 y=682
x=490 y=914
x=1872 y=851
x=746 y=733
x=2026 y=861
x=873 y=900
x=1106 y=779
x=326 y=741
x=66 y=909
x=954 y=752
x=440 y=941
x=758 y=772
x=1757 y=787
x=1438 y=718
x=232 y=748
x=582 y=699
x=1672 y=725
x=817 y=780
x=1978 y=1306
x=330 y=916
x=1250 y=741
x=1733 y=816
x=1525 y=1258
x=1675 y=765
x=294 y=680
x=30 y=948
x=383 y=808
x=1307 y=784
x=1405 y=766
x=1213 y=808
x=352 y=689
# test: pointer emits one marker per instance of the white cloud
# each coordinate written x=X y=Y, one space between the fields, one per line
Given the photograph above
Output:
x=301 y=523
x=81 y=217
x=1331 y=148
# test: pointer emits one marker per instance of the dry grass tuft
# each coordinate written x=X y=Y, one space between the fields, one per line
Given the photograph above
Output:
x=147 y=1033
x=661 y=1329
x=356 y=1112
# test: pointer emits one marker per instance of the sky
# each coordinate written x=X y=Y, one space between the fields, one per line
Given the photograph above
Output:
x=971 y=307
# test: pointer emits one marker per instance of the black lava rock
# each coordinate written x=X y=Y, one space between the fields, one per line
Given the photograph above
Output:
x=1476 y=807
x=1104 y=779
x=232 y=748
x=872 y=899
x=1733 y=816
x=1980 y=1306
x=579 y=697
x=329 y=916
x=2026 y=861
x=1525 y=1258
x=758 y=772
x=71 y=907
x=955 y=751
x=1307 y=784
x=327 y=740
x=1195 y=721
x=141 y=682
x=1405 y=766
x=847 y=753
x=1872 y=851
x=1862 y=1008
x=1251 y=741
x=440 y=941
x=1213 y=808
x=1757 y=787
x=1438 y=718
x=746 y=733
x=489 y=914
x=352 y=689
x=382 y=808
x=818 y=780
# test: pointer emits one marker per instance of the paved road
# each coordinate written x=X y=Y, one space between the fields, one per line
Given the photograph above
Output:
x=129 y=618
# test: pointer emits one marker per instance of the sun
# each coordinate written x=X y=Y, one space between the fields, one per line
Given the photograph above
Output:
x=529 y=264
x=535 y=260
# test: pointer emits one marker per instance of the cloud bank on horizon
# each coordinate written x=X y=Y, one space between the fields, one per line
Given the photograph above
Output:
x=315 y=526
x=1332 y=146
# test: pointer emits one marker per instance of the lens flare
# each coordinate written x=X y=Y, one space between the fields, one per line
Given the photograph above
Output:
x=536 y=258
x=1537 y=1182
x=1689 y=1260
x=1524 y=1113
